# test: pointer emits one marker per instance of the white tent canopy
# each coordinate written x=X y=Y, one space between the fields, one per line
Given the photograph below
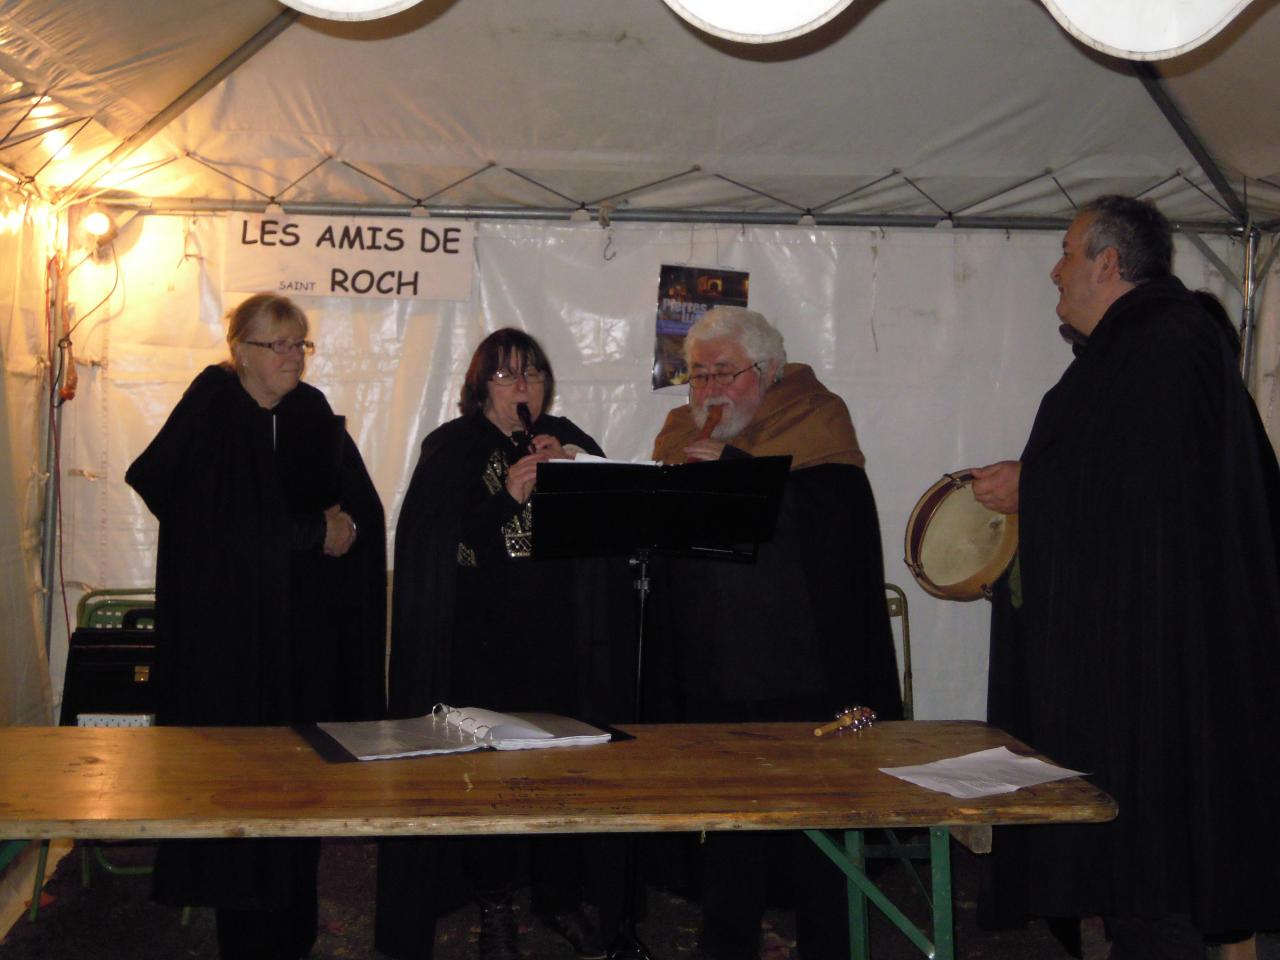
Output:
x=898 y=115
x=923 y=107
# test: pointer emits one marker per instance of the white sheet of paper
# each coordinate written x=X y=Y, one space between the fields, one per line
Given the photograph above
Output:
x=982 y=774
x=592 y=458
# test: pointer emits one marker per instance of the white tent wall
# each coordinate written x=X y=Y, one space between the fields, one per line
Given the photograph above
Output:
x=941 y=343
x=1266 y=366
x=28 y=234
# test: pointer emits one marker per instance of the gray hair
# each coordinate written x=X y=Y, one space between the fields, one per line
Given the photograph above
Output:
x=1139 y=232
x=757 y=336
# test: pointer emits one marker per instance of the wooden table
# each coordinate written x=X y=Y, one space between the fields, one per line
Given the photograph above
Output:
x=130 y=783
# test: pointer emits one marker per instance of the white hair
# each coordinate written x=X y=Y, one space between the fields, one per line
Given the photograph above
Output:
x=751 y=330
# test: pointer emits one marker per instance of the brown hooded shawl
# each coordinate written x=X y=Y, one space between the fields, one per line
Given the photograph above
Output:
x=798 y=417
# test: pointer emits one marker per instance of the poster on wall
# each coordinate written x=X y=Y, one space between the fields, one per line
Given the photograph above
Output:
x=684 y=295
x=388 y=258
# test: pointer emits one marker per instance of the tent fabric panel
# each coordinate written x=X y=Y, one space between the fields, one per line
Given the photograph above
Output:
x=1266 y=369
x=589 y=94
x=25 y=240
x=1222 y=91
x=580 y=94
x=119 y=59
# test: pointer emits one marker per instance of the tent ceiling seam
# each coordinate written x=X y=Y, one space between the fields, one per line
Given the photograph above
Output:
x=1063 y=190
x=630 y=191
x=84 y=122
x=543 y=186
x=1001 y=193
x=418 y=201
x=761 y=193
x=39 y=99
x=12 y=141
x=231 y=177
x=1207 y=195
x=16 y=95
x=316 y=167
x=474 y=173
x=855 y=191
x=945 y=212
x=378 y=180
x=1163 y=180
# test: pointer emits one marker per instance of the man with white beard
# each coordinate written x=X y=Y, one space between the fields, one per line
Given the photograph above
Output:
x=737 y=361
x=797 y=635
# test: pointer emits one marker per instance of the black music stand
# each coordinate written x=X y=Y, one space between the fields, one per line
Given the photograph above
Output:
x=722 y=509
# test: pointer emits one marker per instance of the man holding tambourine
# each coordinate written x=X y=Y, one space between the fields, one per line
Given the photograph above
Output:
x=1141 y=643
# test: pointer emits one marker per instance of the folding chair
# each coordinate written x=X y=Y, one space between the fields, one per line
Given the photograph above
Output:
x=897 y=603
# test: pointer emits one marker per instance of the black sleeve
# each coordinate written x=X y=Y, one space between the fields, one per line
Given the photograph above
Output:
x=156 y=471
x=425 y=571
x=309 y=530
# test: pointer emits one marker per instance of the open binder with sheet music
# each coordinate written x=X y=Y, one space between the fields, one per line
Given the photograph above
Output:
x=721 y=508
x=452 y=730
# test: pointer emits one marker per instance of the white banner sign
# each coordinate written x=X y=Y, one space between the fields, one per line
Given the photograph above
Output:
x=392 y=258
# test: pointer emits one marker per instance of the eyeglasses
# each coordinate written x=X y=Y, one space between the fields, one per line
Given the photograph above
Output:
x=283 y=346
x=700 y=380
x=506 y=377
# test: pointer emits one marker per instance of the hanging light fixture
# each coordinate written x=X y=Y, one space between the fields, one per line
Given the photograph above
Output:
x=349 y=9
x=757 y=21
x=98 y=226
x=1144 y=29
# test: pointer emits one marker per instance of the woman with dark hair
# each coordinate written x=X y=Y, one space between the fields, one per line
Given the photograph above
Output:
x=476 y=621
x=270 y=598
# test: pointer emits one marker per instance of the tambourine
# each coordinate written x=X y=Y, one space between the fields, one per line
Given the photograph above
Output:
x=955 y=547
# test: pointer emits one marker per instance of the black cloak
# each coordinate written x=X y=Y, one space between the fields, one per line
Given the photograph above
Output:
x=797 y=635
x=1145 y=650
x=444 y=503
x=256 y=625
x=510 y=634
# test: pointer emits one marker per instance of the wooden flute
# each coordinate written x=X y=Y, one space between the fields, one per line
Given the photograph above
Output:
x=526 y=419
x=713 y=420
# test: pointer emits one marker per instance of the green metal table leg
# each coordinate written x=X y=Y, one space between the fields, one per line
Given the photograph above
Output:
x=873 y=893
x=944 y=932
x=859 y=939
x=9 y=850
x=38 y=886
x=107 y=865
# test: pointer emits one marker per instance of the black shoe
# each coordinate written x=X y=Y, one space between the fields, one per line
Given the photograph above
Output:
x=499 y=932
x=581 y=929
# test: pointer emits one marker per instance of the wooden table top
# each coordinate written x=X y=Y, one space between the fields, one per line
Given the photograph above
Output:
x=267 y=781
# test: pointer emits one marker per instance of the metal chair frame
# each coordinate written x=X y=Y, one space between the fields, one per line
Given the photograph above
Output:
x=897 y=604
